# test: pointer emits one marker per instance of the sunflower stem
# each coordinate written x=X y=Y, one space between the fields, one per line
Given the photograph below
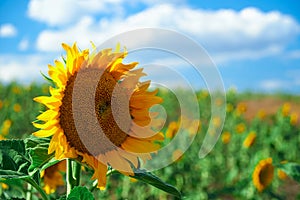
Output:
x=69 y=176
x=29 y=192
x=72 y=175
x=37 y=187
x=76 y=173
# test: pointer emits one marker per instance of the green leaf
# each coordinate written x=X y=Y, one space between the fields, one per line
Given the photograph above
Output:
x=15 y=163
x=292 y=170
x=153 y=180
x=51 y=162
x=9 y=174
x=32 y=142
x=13 y=158
x=38 y=152
x=80 y=193
x=63 y=197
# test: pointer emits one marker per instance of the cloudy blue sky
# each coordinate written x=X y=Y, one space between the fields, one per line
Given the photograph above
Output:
x=255 y=44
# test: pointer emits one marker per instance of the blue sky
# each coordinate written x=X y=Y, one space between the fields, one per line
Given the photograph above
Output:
x=255 y=44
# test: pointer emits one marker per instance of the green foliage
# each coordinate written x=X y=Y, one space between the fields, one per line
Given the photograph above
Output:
x=80 y=193
x=226 y=173
x=292 y=170
x=38 y=151
x=153 y=180
x=13 y=158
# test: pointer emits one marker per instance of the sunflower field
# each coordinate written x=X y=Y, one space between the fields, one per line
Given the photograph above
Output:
x=255 y=157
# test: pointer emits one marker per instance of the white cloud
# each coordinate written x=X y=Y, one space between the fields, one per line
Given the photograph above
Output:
x=222 y=57
x=23 y=45
x=226 y=34
x=295 y=54
x=288 y=81
x=8 y=30
x=63 y=12
x=23 y=68
x=274 y=84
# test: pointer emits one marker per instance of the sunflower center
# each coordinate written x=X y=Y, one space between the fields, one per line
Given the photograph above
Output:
x=266 y=175
x=88 y=99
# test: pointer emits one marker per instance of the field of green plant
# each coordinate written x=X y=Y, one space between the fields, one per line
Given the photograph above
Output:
x=255 y=158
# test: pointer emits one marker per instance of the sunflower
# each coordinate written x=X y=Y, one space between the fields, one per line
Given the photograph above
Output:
x=281 y=174
x=52 y=177
x=111 y=146
x=177 y=155
x=250 y=139
x=286 y=108
x=4 y=186
x=172 y=129
x=2 y=138
x=6 y=127
x=229 y=107
x=226 y=136
x=261 y=114
x=240 y=128
x=294 y=119
x=241 y=108
x=17 y=107
x=263 y=174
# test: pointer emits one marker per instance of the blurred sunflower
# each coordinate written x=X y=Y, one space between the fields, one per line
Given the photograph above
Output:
x=240 y=128
x=241 y=108
x=194 y=127
x=119 y=151
x=263 y=174
x=294 y=119
x=219 y=102
x=281 y=174
x=172 y=130
x=250 y=139
x=286 y=108
x=261 y=114
x=216 y=121
x=177 y=155
x=53 y=177
x=203 y=94
x=16 y=90
x=17 y=107
x=2 y=138
x=4 y=186
x=229 y=107
x=226 y=136
x=5 y=127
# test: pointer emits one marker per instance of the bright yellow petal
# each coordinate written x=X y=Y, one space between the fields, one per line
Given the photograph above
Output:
x=48 y=115
x=50 y=102
x=46 y=133
x=46 y=126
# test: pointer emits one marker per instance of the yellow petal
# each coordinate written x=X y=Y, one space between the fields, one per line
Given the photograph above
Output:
x=48 y=115
x=145 y=102
x=142 y=132
x=100 y=174
x=50 y=102
x=130 y=157
x=46 y=133
x=48 y=125
x=139 y=146
x=118 y=162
